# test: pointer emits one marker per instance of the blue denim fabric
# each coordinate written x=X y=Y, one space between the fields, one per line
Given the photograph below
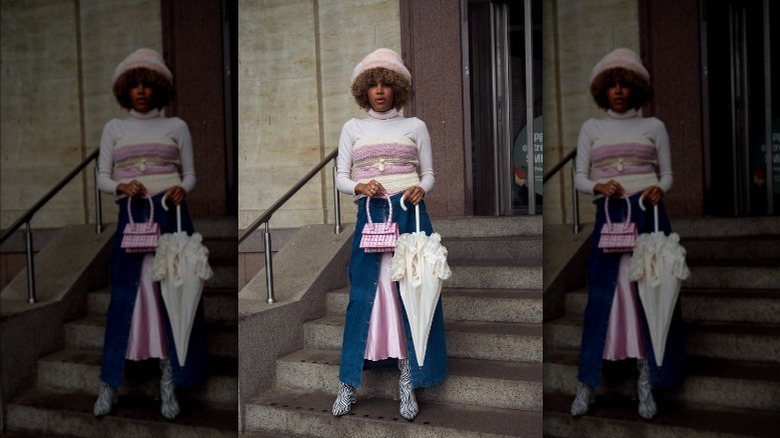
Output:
x=602 y=276
x=363 y=276
x=125 y=276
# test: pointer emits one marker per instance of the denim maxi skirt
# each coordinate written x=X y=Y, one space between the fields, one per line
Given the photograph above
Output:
x=602 y=277
x=125 y=276
x=363 y=276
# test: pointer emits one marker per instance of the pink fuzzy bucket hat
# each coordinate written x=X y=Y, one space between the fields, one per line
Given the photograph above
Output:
x=384 y=58
x=143 y=58
x=620 y=58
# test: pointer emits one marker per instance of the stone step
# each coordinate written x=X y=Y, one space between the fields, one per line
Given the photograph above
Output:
x=79 y=370
x=299 y=412
x=711 y=227
x=726 y=305
x=714 y=382
x=497 y=305
x=87 y=334
x=465 y=339
x=225 y=277
x=727 y=274
x=461 y=249
x=222 y=250
x=732 y=248
x=60 y=412
x=505 y=226
x=617 y=416
x=218 y=304
x=498 y=384
x=717 y=340
x=492 y=275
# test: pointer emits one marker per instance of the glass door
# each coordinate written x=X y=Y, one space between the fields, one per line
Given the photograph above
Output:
x=505 y=104
x=742 y=131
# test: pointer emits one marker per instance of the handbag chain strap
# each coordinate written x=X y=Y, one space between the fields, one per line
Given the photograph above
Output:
x=368 y=211
x=151 y=209
x=606 y=209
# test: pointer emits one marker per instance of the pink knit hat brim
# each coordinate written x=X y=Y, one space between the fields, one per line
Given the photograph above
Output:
x=143 y=58
x=384 y=58
x=620 y=58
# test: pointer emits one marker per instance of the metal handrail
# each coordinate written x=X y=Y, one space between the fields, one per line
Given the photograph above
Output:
x=266 y=217
x=26 y=218
x=574 y=195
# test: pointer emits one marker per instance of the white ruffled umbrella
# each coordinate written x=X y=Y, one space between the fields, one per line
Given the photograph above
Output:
x=181 y=266
x=420 y=267
x=658 y=266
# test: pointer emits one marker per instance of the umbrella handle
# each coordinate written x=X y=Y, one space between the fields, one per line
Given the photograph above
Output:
x=655 y=212
x=416 y=213
x=178 y=213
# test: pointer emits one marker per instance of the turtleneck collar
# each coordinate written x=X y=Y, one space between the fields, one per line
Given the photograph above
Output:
x=147 y=115
x=626 y=115
x=387 y=115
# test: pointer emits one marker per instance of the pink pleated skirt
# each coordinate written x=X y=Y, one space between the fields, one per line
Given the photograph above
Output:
x=624 y=332
x=386 y=337
x=147 y=329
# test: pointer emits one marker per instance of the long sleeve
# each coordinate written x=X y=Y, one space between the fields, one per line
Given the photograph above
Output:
x=425 y=157
x=187 y=158
x=664 y=159
x=582 y=180
x=105 y=181
x=344 y=181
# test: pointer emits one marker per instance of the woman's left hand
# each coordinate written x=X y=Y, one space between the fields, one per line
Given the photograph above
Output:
x=414 y=194
x=653 y=194
x=175 y=194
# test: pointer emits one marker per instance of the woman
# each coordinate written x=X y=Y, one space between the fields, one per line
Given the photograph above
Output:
x=145 y=157
x=621 y=155
x=381 y=155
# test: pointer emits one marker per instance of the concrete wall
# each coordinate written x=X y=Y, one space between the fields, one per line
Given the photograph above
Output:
x=58 y=57
x=295 y=62
x=576 y=35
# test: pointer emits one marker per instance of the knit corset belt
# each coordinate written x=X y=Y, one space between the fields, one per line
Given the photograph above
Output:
x=631 y=162
x=392 y=161
x=154 y=161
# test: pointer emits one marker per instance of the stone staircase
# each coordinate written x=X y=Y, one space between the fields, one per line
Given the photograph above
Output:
x=493 y=314
x=67 y=380
x=731 y=311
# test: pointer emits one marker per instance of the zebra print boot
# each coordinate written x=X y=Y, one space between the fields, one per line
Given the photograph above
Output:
x=585 y=397
x=408 y=408
x=170 y=406
x=344 y=400
x=647 y=407
x=106 y=400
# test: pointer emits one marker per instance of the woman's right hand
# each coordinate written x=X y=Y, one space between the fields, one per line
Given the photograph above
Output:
x=131 y=189
x=610 y=188
x=372 y=188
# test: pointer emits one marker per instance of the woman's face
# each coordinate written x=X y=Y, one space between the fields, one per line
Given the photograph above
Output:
x=380 y=96
x=619 y=97
x=142 y=98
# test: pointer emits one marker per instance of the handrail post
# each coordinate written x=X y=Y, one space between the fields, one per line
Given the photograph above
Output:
x=336 y=200
x=575 y=200
x=98 y=205
x=30 y=265
x=269 y=276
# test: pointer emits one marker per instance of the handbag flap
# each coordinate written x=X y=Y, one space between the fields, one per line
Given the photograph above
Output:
x=380 y=228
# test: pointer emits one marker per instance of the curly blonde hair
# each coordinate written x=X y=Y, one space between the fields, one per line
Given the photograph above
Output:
x=163 y=88
x=640 y=88
x=364 y=80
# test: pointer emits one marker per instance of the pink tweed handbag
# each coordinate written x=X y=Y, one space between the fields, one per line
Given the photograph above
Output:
x=140 y=237
x=379 y=236
x=618 y=237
